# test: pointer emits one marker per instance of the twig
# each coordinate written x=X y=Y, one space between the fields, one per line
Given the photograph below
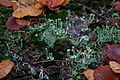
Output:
x=62 y=69
x=93 y=11
x=24 y=78
x=6 y=31
x=45 y=61
x=32 y=56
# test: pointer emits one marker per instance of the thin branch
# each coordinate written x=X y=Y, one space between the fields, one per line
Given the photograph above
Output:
x=94 y=12
x=45 y=61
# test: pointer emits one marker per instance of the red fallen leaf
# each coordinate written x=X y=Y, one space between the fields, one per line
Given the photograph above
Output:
x=54 y=4
x=105 y=73
x=117 y=8
x=12 y=25
x=113 y=52
x=16 y=24
x=116 y=3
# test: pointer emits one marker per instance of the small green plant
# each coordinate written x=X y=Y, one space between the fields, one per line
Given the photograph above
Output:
x=50 y=31
x=107 y=35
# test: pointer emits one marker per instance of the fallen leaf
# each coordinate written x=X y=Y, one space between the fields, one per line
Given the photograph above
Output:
x=16 y=24
x=23 y=22
x=26 y=11
x=26 y=2
x=5 y=68
x=116 y=3
x=20 y=12
x=37 y=6
x=65 y=2
x=117 y=8
x=115 y=66
x=42 y=2
x=113 y=52
x=105 y=73
x=55 y=3
x=12 y=25
x=7 y=3
x=89 y=74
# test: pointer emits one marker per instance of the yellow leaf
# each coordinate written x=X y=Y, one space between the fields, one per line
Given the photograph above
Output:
x=5 y=68
x=26 y=11
x=89 y=74
x=115 y=66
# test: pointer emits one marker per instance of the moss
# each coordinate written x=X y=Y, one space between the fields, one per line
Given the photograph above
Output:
x=4 y=14
x=34 y=40
x=62 y=14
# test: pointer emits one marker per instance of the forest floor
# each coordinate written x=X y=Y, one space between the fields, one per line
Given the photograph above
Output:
x=61 y=45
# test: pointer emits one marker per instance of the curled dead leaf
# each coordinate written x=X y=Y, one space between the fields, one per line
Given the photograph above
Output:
x=12 y=25
x=5 y=68
x=23 y=22
x=89 y=74
x=115 y=66
x=26 y=11
x=116 y=3
x=16 y=24
x=65 y=2
x=37 y=6
x=112 y=52
x=105 y=73
x=7 y=3
x=42 y=2
x=54 y=3
x=117 y=8
x=26 y=2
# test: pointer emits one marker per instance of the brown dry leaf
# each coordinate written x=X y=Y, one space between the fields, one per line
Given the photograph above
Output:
x=65 y=2
x=89 y=74
x=42 y=2
x=26 y=11
x=5 y=68
x=26 y=2
x=12 y=25
x=105 y=73
x=112 y=52
x=23 y=22
x=54 y=4
x=7 y=3
x=20 y=12
x=37 y=6
x=16 y=24
x=34 y=11
x=115 y=66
